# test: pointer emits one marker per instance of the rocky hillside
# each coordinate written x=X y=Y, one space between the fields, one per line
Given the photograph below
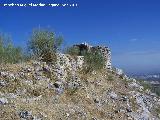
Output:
x=38 y=91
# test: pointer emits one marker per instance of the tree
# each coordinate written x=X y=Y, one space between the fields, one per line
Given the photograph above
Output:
x=44 y=44
x=9 y=53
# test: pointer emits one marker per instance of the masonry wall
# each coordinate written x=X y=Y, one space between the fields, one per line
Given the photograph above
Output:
x=106 y=52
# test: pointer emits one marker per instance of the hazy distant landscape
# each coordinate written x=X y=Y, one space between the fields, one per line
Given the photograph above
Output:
x=149 y=77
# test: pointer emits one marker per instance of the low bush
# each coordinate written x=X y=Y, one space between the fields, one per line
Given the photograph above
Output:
x=157 y=110
x=73 y=51
x=146 y=85
x=93 y=61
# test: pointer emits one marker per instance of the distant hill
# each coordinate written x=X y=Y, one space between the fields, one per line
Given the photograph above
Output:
x=150 y=77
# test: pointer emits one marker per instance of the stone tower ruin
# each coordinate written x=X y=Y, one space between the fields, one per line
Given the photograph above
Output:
x=106 y=52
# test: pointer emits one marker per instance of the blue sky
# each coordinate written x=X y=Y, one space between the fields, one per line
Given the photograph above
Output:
x=131 y=28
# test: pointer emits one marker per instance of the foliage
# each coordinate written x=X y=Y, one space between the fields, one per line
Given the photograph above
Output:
x=9 y=53
x=145 y=84
x=110 y=78
x=74 y=51
x=158 y=110
x=153 y=88
x=93 y=61
x=44 y=43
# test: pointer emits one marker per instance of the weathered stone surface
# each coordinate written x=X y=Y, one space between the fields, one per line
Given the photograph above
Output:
x=3 y=83
x=113 y=95
x=119 y=71
x=25 y=115
x=3 y=101
x=59 y=87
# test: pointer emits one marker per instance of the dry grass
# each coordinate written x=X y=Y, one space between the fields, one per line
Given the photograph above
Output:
x=78 y=103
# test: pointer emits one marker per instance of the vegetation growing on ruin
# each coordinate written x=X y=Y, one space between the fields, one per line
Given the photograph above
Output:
x=93 y=61
x=73 y=51
x=42 y=45
x=63 y=91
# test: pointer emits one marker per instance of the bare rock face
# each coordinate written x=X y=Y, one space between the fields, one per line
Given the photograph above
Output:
x=113 y=95
x=3 y=101
x=145 y=104
x=119 y=71
x=25 y=115
x=4 y=74
x=3 y=83
x=59 y=87
x=106 y=52
x=66 y=63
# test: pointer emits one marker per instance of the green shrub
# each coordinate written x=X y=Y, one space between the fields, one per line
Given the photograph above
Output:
x=13 y=54
x=73 y=51
x=153 y=88
x=93 y=61
x=157 y=111
x=145 y=84
x=9 y=53
x=110 y=78
x=44 y=44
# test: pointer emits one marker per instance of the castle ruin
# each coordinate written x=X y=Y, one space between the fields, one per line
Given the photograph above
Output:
x=106 y=52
